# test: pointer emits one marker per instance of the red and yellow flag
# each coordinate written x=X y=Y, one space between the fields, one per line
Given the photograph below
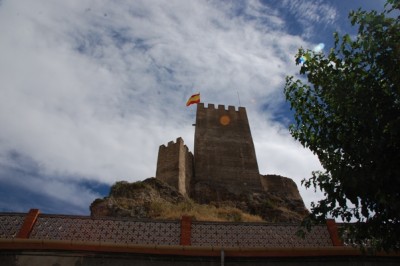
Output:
x=195 y=98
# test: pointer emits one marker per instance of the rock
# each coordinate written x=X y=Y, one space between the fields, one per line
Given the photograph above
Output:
x=134 y=199
x=153 y=198
x=272 y=205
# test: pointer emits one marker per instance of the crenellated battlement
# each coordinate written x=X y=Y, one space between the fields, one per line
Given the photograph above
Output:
x=221 y=107
x=221 y=116
x=179 y=141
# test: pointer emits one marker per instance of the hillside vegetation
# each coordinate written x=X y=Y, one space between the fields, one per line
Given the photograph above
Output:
x=153 y=199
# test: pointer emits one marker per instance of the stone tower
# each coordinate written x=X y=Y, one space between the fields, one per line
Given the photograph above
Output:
x=175 y=165
x=224 y=154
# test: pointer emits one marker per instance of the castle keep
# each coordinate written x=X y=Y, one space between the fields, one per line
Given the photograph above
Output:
x=224 y=161
x=225 y=158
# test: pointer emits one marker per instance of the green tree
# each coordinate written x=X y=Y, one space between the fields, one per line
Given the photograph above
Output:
x=348 y=114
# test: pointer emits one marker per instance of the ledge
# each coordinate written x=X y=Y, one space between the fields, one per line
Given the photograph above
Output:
x=41 y=245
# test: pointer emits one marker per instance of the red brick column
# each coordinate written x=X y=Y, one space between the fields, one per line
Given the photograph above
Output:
x=333 y=232
x=28 y=224
x=186 y=230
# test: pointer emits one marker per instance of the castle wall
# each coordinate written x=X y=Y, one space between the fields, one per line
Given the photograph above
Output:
x=175 y=165
x=283 y=186
x=286 y=189
x=224 y=154
x=186 y=175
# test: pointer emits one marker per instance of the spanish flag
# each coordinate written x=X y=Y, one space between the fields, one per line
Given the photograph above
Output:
x=195 y=98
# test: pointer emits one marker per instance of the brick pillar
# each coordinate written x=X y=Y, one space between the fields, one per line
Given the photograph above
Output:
x=28 y=224
x=333 y=232
x=186 y=230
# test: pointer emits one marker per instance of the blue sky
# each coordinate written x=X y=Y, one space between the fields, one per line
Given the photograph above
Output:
x=90 y=89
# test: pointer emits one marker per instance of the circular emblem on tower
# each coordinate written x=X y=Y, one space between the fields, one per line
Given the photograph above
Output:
x=224 y=120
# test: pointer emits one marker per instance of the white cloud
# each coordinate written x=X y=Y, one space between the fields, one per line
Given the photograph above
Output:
x=90 y=90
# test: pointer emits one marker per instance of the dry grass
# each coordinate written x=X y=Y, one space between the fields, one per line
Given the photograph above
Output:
x=125 y=196
x=167 y=210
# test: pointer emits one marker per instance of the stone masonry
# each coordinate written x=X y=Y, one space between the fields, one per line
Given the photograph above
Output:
x=225 y=158
x=175 y=165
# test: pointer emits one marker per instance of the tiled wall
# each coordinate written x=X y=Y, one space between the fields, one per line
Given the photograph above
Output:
x=256 y=235
x=163 y=233
x=106 y=230
x=10 y=224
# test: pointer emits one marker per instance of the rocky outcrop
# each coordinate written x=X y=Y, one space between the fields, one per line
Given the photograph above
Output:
x=155 y=199
x=135 y=199
x=283 y=193
x=280 y=200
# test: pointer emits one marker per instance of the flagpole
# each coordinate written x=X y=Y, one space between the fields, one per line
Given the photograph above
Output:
x=238 y=97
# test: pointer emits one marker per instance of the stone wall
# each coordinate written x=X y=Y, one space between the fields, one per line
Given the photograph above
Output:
x=175 y=165
x=283 y=186
x=284 y=193
x=224 y=154
x=187 y=173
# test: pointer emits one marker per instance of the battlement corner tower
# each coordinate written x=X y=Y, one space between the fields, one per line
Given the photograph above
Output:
x=224 y=154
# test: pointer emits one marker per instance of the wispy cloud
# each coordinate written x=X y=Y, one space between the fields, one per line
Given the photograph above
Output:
x=311 y=15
